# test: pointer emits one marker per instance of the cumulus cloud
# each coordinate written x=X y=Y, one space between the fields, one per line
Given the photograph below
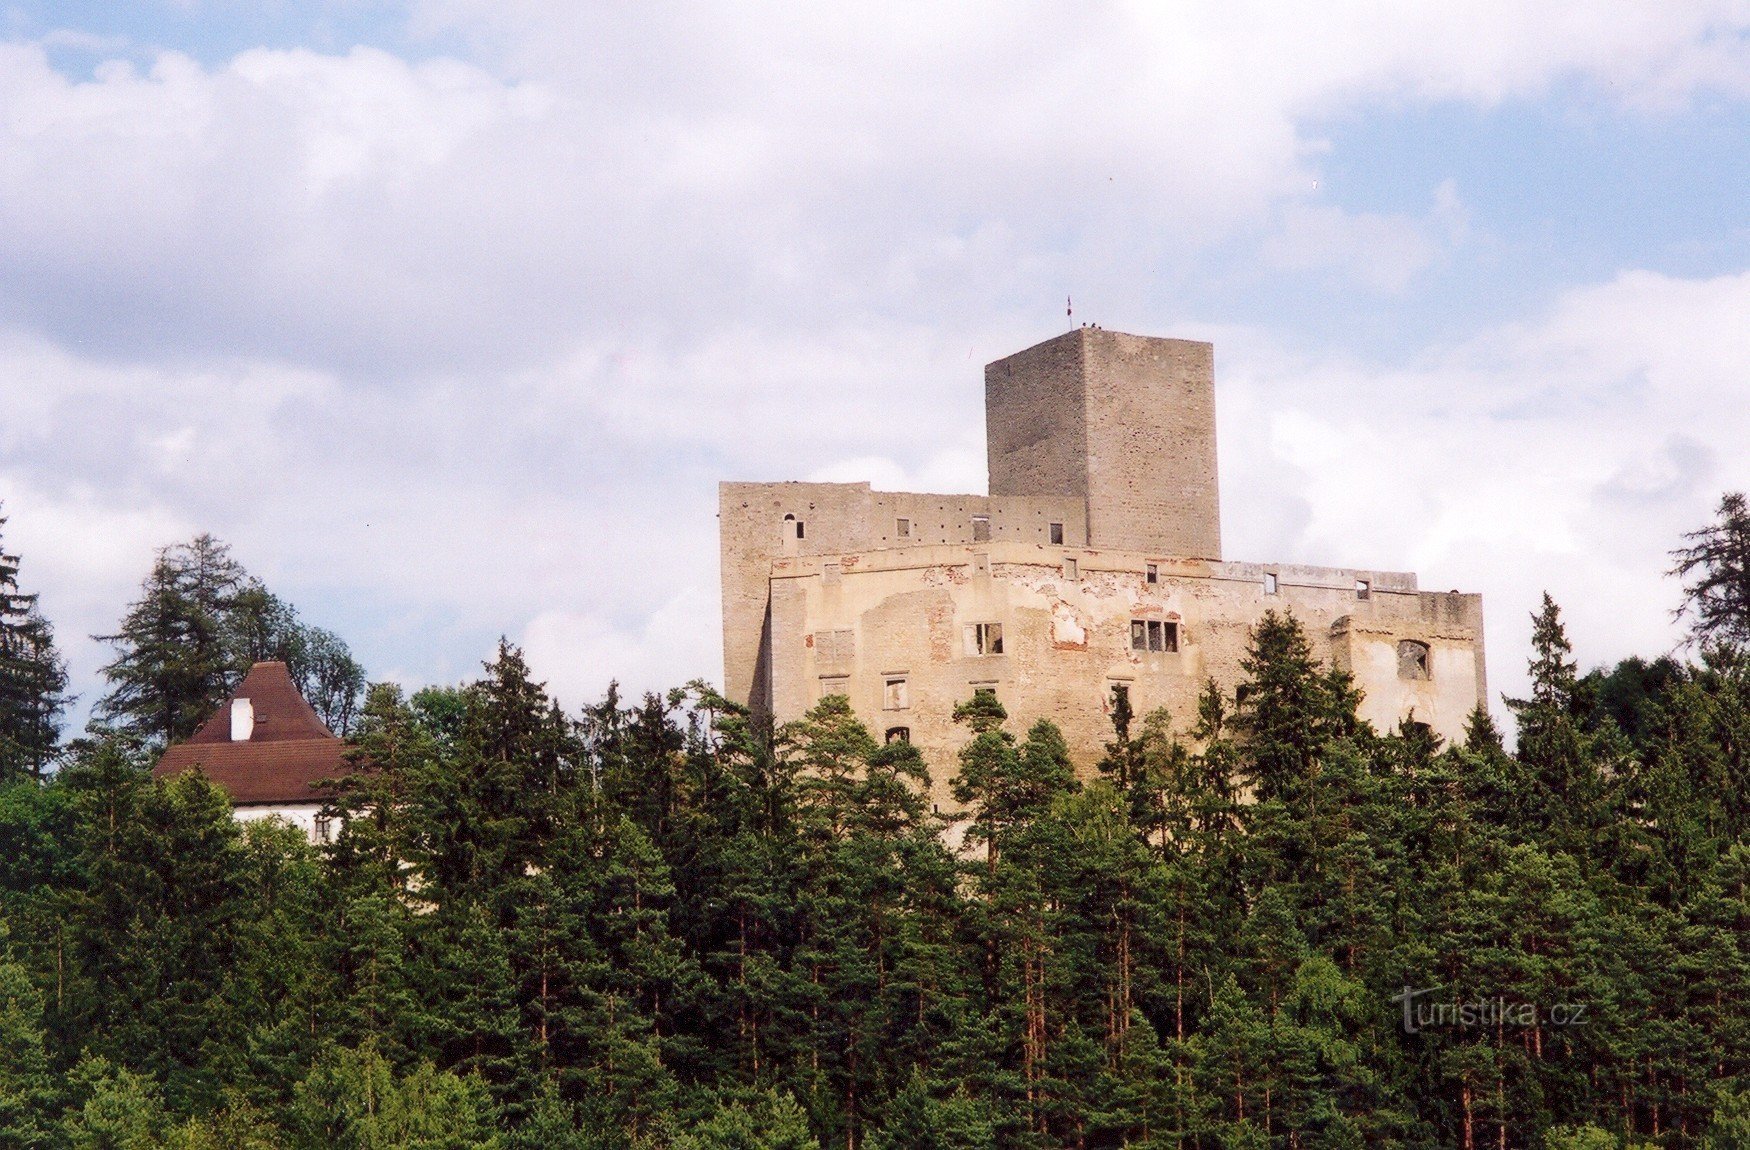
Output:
x=452 y=348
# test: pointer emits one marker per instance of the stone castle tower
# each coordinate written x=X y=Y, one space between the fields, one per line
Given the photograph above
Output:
x=1093 y=566
x=1125 y=423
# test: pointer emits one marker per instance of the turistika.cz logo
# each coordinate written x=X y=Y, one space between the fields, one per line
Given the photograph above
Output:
x=1422 y=1012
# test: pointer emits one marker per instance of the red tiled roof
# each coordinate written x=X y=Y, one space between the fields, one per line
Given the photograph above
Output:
x=282 y=772
x=288 y=752
x=280 y=711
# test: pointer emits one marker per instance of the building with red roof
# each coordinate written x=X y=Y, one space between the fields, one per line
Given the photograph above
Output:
x=268 y=749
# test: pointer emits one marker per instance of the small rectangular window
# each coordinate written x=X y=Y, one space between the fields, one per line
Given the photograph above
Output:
x=899 y=734
x=1072 y=569
x=1119 y=693
x=1413 y=660
x=894 y=696
x=984 y=639
x=981 y=562
x=830 y=573
x=980 y=528
x=835 y=685
x=1153 y=635
x=324 y=829
x=1154 y=573
x=1057 y=534
x=1270 y=583
x=1363 y=589
x=902 y=528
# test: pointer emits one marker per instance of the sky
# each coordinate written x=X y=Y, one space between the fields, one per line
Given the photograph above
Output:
x=449 y=315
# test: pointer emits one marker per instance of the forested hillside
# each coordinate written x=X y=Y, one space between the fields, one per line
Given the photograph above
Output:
x=654 y=924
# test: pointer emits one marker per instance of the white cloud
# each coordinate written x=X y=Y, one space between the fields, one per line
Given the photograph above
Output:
x=1567 y=453
x=455 y=348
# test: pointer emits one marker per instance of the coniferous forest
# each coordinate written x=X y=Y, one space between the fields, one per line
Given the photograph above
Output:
x=655 y=923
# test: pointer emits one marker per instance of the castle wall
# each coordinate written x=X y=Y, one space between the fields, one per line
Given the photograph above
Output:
x=1125 y=421
x=858 y=623
x=847 y=517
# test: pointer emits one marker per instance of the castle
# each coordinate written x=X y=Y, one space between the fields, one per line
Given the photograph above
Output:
x=1094 y=563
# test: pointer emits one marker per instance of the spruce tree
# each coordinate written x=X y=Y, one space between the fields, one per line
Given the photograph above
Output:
x=199 y=623
x=33 y=678
x=1714 y=566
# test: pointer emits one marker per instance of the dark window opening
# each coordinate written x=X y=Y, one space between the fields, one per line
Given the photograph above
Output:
x=899 y=734
x=1413 y=660
x=1120 y=695
x=1057 y=534
x=1154 y=573
x=984 y=639
x=902 y=528
x=980 y=528
x=1153 y=635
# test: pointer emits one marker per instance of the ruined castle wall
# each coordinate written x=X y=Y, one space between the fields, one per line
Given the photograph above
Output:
x=757 y=524
x=857 y=623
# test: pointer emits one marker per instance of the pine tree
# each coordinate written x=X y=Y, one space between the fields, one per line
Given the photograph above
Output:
x=1715 y=569
x=27 y=1090
x=199 y=623
x=33 y=679
x=1568 y=790
x=173 y=662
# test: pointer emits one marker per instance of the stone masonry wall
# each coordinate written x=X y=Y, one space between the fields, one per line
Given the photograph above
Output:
x=855 y=623
x=1127 y=421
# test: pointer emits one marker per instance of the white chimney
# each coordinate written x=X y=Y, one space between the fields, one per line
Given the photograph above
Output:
x=242 y=720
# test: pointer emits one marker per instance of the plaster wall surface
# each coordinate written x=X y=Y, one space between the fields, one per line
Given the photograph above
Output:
x=857 y=624
x=301 y=815
x=757 y=523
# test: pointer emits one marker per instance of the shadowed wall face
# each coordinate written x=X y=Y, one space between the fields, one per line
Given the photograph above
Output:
x=1127 y=422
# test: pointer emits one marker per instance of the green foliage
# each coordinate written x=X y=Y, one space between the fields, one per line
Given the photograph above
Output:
x=772 y=1122
x=33 y=679
x=199 y=623
x=659 y=923
x=356 y=1100
x=1714 y=566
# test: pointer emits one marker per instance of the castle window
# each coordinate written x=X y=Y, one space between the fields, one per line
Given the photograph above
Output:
x=902 y=528
x=894 y=696
x=1154 y=574
x=835 y=646
x=1056 y=530
x=1363 y=589
x=980 y=528
x=324 y=829
x=792 y=527
x=830 y=573
x=1153 y=635
x=1413 y=660
x=1071 y=568
x=835 y=685
x=984 y=638
x=899 y=734
x=981 y=562
x=1270 y=583
x=1120 y=693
